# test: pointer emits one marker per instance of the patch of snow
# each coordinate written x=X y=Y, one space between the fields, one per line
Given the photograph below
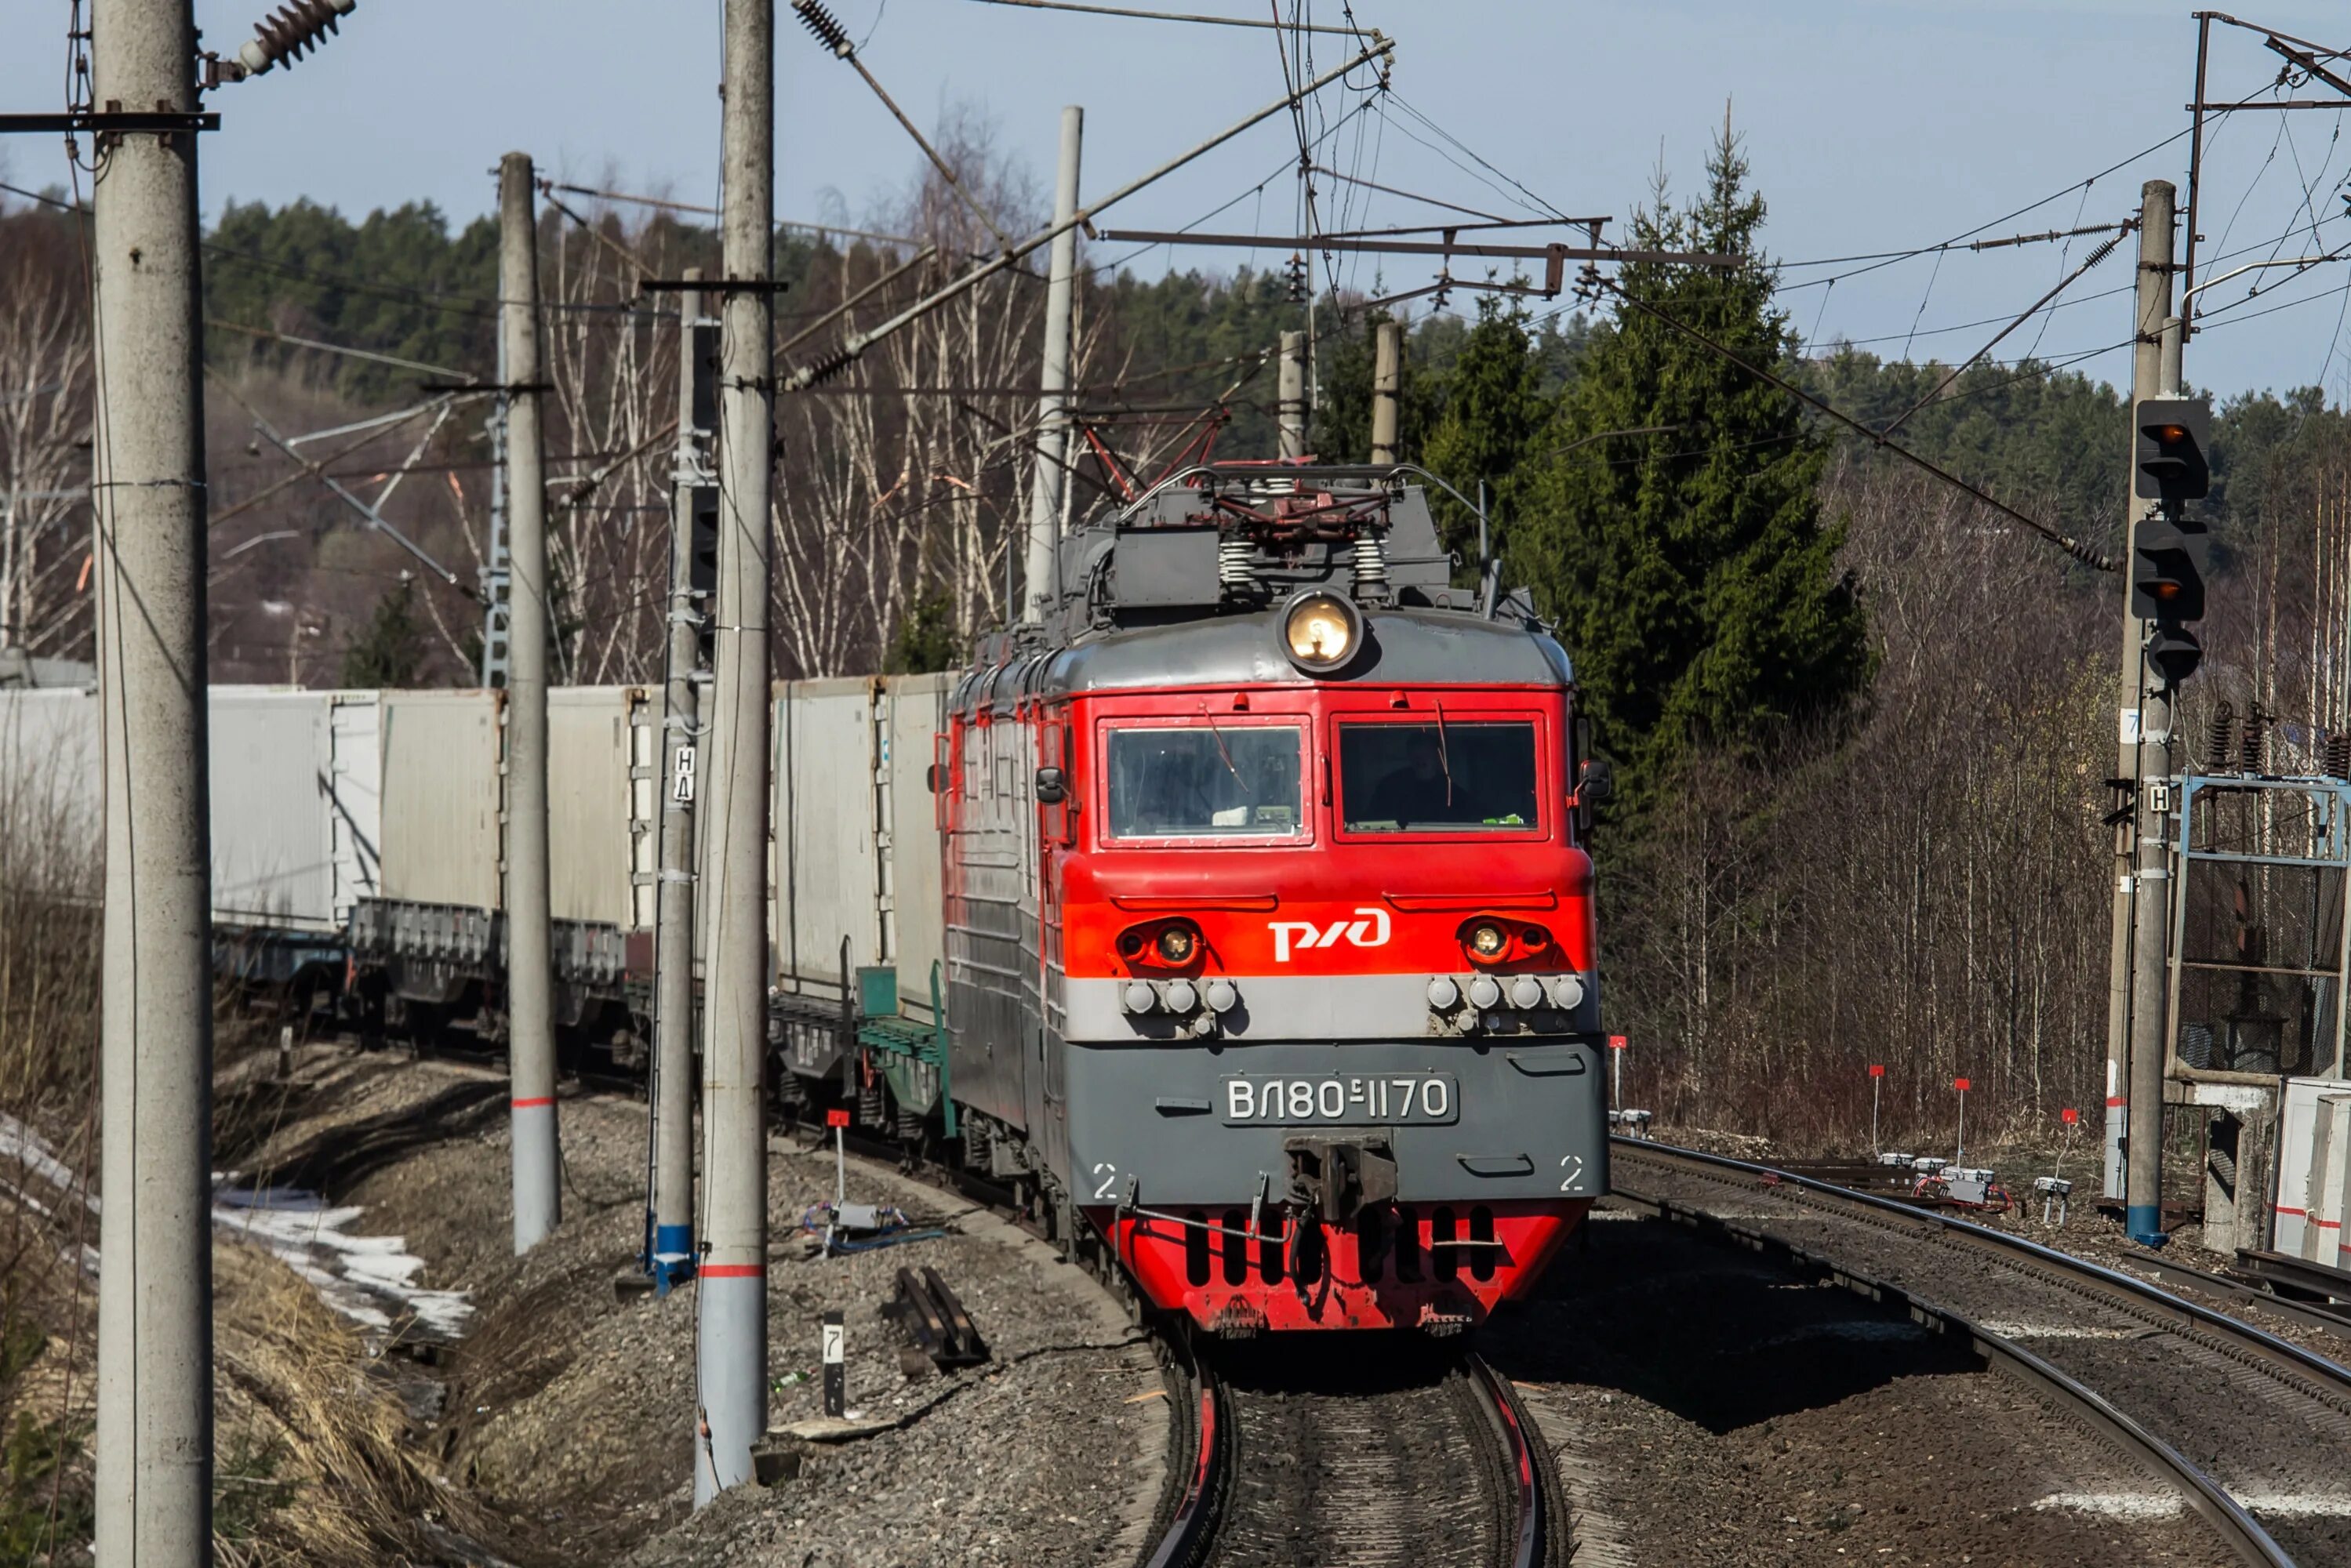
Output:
x=370 y=1280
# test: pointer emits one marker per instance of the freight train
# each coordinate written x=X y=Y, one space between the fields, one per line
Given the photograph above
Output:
x=1235 y=911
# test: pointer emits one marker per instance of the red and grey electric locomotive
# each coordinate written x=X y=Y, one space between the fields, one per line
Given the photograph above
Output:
x=1270 y=950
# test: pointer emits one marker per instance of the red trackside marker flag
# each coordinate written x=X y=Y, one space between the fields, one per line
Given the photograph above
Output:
x=2069 y=1115
x=1960 y=1084
x=836 y=1118
x=1877 y=1069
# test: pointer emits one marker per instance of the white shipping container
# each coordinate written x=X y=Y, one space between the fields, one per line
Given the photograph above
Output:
x=598 y=812
x=918 y=714
x=272 y=760
x=441 y=797
x=52 y=778
x=828 y=877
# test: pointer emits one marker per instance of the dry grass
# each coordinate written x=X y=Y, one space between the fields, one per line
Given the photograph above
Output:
x=309 y=1456
x=311 y=1467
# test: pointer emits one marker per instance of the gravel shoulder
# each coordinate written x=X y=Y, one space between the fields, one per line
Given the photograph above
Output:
x=566 y=1410
x=2274 y=1441
x=1706 y=1408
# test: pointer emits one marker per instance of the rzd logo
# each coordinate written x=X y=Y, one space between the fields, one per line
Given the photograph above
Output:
x=1372 y=931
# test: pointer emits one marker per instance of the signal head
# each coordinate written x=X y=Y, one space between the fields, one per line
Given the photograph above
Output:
x=2173 y=434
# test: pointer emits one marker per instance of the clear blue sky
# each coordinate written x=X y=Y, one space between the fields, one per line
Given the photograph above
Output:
x=1871 y=126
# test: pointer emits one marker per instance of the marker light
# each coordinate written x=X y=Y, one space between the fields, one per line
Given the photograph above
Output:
x=1567 y=992
x=1443 y=993
x=1180 y=996
x=1222 y=996
x=1320 y=630
x=1485 y=993
x=1138 y=997
x=1526 y=991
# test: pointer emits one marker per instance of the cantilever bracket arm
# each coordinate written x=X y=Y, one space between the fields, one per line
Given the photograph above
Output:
x=109 y=121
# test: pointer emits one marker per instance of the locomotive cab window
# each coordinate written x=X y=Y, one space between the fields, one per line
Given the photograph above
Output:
x=1204 y=782
x=1448 y=777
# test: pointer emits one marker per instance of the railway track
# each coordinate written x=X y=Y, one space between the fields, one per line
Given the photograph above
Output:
x=2244 y=1429
x=1294 y=1456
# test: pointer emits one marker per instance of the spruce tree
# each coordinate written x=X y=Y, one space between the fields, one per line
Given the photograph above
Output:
x=1495 y=408
x=1690 y=572
x=390 y=650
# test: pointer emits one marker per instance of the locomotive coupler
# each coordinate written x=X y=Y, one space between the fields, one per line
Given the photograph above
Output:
x=1339 y=1177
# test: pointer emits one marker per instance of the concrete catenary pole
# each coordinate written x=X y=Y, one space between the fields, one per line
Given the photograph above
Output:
x=2146 y=761
x=1387 y=380
x=1293 y=395
x=669 y=1251
x=732 y=1369
x=2151 y=938
x=154 y=1293
x=530 y=970
x=1053 y=407
x=2150 y=305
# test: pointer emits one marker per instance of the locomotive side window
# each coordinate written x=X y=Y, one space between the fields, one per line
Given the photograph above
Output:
x=1477 y=777
x=1205 y=781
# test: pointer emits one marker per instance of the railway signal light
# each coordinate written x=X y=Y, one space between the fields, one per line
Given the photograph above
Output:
x=2170 y=465
x=2167 y=562
x=2169 y=558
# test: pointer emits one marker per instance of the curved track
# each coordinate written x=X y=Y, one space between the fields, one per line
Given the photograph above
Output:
x=2245 y=1427
x=1296 y=1455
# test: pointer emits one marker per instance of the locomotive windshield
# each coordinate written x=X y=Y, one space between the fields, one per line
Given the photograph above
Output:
x=1438 y=778
x=1204 y=780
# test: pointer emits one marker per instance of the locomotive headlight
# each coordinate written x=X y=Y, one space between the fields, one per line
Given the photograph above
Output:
x=1176 y=943
x=1487 y=941
x=1320 y=630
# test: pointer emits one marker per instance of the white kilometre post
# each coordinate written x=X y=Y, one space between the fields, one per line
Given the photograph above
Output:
x=531 y=956
x=731 y=1370
x=1053 y=405
x=155 y=1041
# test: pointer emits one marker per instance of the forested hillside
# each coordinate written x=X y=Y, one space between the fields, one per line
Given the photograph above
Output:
x=1863 y=722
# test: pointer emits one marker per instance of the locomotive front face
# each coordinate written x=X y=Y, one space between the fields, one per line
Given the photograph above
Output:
x=1328 y=993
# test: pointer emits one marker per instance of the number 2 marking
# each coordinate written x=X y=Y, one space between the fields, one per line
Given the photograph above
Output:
x=1109 y=1173
x=1574 y=1166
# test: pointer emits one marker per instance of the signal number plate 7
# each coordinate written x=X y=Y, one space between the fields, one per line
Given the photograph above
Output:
x=1339 y=1099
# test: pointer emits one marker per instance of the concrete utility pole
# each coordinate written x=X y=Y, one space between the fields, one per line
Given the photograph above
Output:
x=1053 y=408
x=2150 y=306
x=154 y=1290
x=1293 y=395
x=530 y=966
x=669 y=1245
x=2151 y=939
x=2147 y=729
x=732 y=1366
x=1387 y=380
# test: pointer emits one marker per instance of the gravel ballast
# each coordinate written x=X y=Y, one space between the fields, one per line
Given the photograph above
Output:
x=569 y=1409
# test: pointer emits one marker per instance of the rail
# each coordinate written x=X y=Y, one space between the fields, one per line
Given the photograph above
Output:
x=2243 y=1534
